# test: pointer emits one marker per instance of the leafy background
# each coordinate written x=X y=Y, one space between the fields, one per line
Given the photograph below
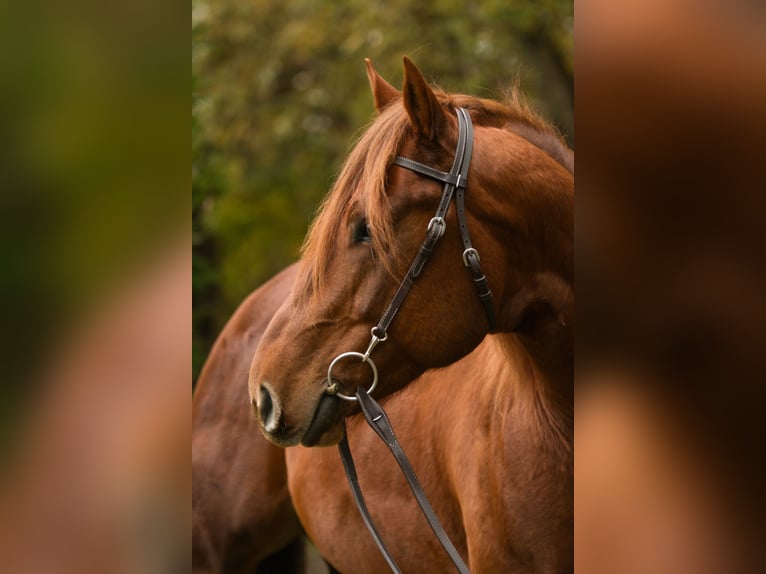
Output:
x=279 y=92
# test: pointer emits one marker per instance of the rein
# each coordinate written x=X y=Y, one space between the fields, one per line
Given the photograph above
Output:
x=455 y=182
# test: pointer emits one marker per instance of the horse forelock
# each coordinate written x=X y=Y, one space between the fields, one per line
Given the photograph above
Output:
x=361 y=184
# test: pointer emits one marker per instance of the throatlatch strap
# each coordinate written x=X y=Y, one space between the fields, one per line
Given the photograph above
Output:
x=377 y=419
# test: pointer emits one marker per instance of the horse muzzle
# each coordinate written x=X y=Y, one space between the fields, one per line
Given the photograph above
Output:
x=279 y=428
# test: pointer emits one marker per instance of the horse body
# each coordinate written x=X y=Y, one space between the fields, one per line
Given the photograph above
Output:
x=493 y=458
x=241 y=507
x=491 y=485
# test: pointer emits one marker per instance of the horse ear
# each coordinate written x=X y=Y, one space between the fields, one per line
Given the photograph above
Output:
x=382 y=92
x=426 y=113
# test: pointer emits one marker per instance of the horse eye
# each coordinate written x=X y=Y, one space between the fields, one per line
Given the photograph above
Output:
x=362 y=232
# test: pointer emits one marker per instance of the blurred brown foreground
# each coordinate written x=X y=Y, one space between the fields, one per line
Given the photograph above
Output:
x=102 y=480
x=671 y=213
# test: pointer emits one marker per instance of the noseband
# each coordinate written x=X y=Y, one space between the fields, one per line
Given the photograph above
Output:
x=455 y=182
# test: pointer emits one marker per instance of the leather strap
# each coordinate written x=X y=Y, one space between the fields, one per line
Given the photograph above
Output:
x=433 y=235
x=356 y=491
x=377 y=419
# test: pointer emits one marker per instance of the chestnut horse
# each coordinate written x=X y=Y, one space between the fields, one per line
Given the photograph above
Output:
x=486 y=419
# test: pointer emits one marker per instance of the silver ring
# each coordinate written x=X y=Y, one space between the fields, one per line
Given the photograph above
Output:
x=365 y=359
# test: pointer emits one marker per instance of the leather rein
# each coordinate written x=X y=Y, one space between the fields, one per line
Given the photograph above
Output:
x=455 y=182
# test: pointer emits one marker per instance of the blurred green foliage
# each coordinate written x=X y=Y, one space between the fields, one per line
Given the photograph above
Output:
x=280 y=91
x=93 y=171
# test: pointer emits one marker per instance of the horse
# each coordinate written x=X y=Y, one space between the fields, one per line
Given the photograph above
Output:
x=242 y=516
x=484 y=411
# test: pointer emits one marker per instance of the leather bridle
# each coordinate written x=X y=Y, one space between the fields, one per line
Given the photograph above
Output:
x=455 y=182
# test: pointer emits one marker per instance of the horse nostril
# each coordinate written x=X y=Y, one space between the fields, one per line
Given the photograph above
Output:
x=266 y=409
x=265 y=404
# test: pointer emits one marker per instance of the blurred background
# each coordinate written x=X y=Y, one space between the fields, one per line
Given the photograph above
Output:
x=95 y=298
x=670 y=368
x=280 y=93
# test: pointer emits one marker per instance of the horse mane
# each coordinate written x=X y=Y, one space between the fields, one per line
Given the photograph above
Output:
x=515 y=114
x=361 y=184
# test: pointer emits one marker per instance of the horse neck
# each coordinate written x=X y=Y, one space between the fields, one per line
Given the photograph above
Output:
x=524 y=218
x=538 y=380
x=536 y=319
x=525 y=222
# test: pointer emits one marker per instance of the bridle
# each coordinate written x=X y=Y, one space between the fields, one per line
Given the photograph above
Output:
x=455 y=182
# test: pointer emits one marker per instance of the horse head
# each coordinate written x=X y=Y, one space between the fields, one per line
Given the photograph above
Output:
x=371 y=225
